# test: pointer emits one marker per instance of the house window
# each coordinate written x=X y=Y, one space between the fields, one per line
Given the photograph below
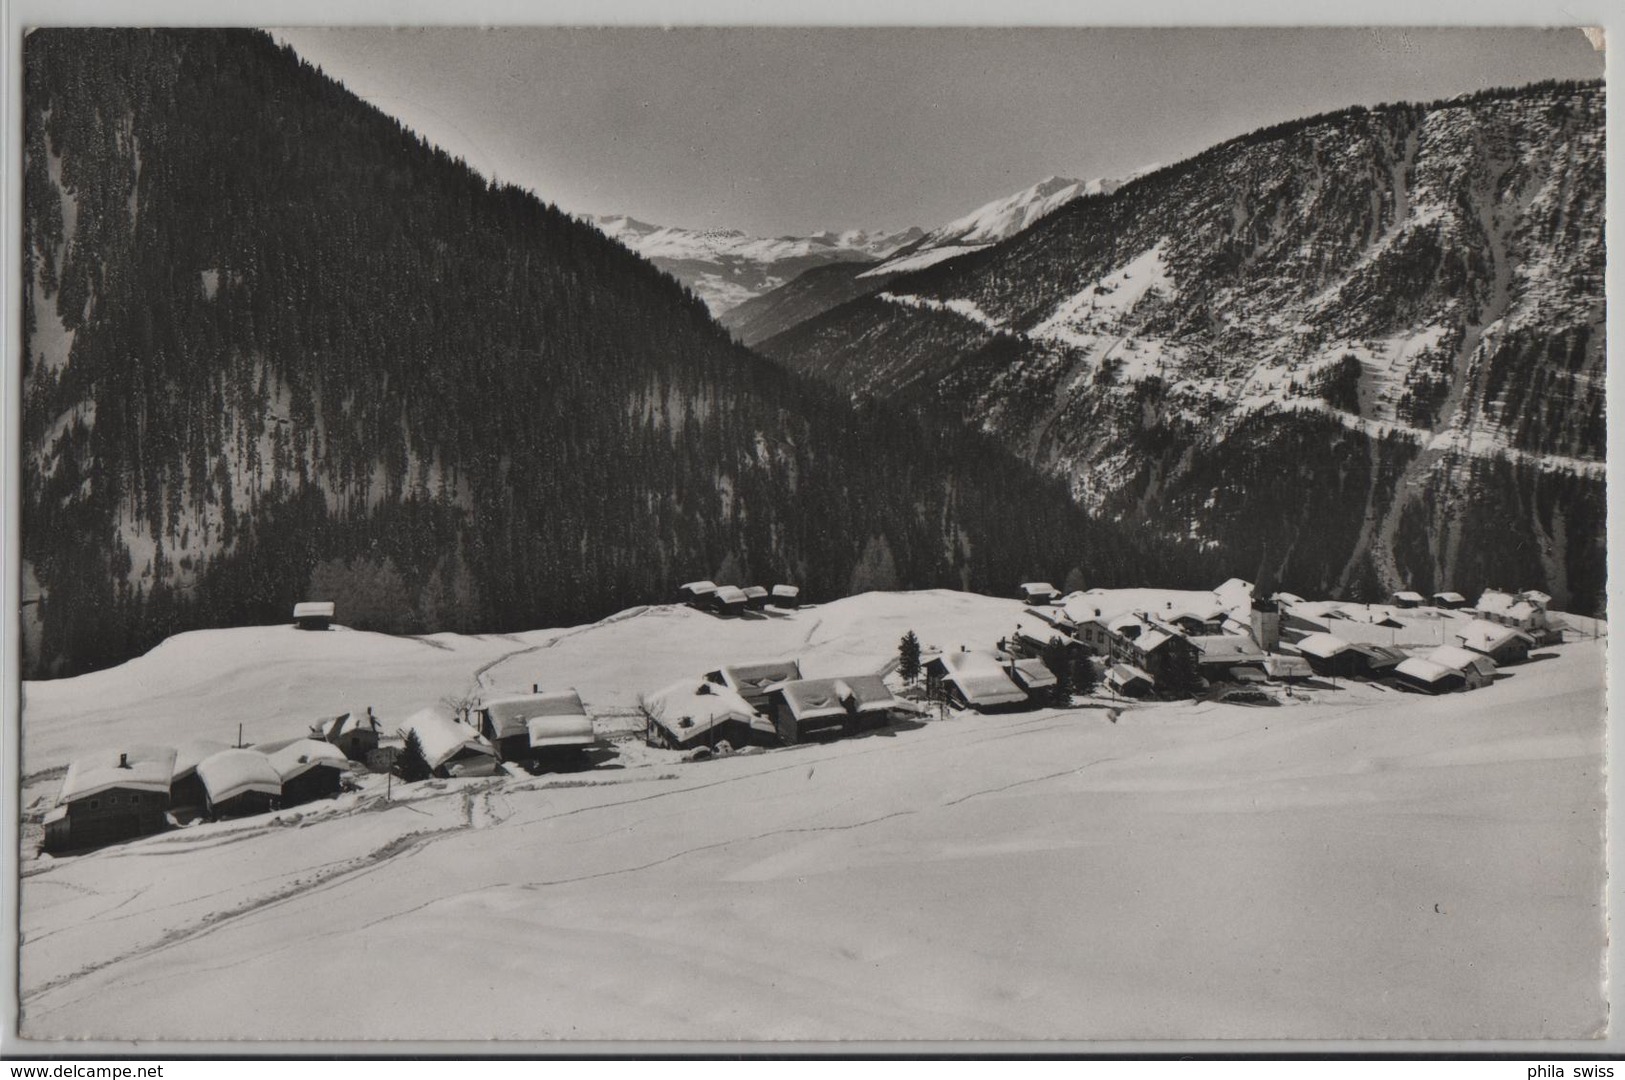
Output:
x=95 y=804
x=112 y=800
x=134 y=799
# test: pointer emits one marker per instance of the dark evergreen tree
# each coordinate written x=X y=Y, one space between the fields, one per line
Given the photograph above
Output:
x=908 y=657
x=410 y=764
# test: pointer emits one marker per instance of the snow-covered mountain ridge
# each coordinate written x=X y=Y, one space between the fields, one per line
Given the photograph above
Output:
x=1398 y=309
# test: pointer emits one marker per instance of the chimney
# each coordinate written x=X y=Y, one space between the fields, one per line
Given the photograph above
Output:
x=536 y=688
x=124 y=761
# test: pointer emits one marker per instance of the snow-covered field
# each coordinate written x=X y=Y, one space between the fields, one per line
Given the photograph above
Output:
x=1357 y=863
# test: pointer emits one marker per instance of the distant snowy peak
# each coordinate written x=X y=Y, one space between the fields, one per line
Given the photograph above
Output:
x=676 y=242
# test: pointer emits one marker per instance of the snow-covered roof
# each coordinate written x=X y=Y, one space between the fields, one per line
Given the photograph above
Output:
x=346 y=723
x=1122 y=674
x=702 y=703
x=731 y=594
x=812 y=699
x=1226 y=648
x=755 y=592
x=188 y=754
x=1288 y=667
x=1235 y=594
x=1536 y=597
x=313 y=609
x=1039 y=588
x=1409 y=596
x=1450 y=597
x=753 y=679
x=442 y=738
x=237 y=771
x=1426 y=671
x=1457 y=658
x=511 y=713
x=303 y=755
x=787 y=590
x=1484 y=636
x=1033 y=674
x=698 y=587
x=980 y=677
x=140 y=768
x=1323 y=646
x=1495 y=602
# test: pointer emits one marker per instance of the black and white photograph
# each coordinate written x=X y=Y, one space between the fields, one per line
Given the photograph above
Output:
x=827 y=535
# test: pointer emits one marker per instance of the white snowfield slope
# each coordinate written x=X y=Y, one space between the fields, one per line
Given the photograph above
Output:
x=1361 y=864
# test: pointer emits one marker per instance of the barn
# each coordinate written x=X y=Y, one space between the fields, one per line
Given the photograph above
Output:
x=313 y=615
x=829 y=706
x=185 y=788
x=239 y=781
x=751 y=681
x=309 y=769
x=450 y=748
x=975 y=680
x=111 y=795
x=697 y=712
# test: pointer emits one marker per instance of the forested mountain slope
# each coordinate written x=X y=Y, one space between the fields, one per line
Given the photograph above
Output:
x=276 y=345
x=1349 y=353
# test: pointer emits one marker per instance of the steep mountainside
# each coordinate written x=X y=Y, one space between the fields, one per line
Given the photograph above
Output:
x=276 y=345
x=726 y=267
x=1351 y=352
x=819 y=289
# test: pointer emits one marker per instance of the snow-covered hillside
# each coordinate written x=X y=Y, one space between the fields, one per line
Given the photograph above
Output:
x=1355 y=863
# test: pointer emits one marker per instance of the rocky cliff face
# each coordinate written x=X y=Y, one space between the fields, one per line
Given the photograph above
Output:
x=1352 y=352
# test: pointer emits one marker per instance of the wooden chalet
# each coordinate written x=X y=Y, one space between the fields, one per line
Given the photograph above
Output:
x=1427 y=677
x=756 y=597
x=1501 y=643
x=730 y=600
x=808 y=707
x=1036 y=679
x=355 y=733
x=313 y=615
x=786 y=596
x=975 y=680
x=1378 y=659
x=697 y=712
x=450 y=748
x=1129 y=681
x=239 y=781
x=111 y=795
x=1219 y=655
x=1476 y=669
x=1526 y=611
x=1449 y=601
x=1405 y=598
x=309 y=769
x=1331 y=656
x=752 y=681
x=1287 y=668
x=523 y=727
x=185 y=787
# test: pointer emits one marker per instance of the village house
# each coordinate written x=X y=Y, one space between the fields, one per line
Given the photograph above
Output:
x=1331 y=656
x=1287 y=668
x=185 y=788
x=1428 y=677
x=450 y=748
x=523 y=727
x=1450 y=601
x=1378 y=660
x=697 y=712
x=1476 y=669
x=845 y=705
x=1501 y=643
x=239 y=781
x=309 y=769
x=786 y=596
x=111 y=795
x=313 y=615
x=1405 y=598
x=974 y=680
x=355 y=732
x=1526 y=611
x=1225 y=656
x=752 y=681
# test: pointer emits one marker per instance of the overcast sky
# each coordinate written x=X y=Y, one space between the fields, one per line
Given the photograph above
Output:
x=778 y=131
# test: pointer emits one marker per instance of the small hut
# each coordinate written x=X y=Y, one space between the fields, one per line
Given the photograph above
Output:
x=1040 y=592
x=1450 y=601
x=1475 y=669
x=730 y=600
x=696 y=593
x=239 y=781
x=756 y=597
x=786 y=596
x=111 y=795
x=1405 y=598
x=1427 y=677
x=313 y=615
x=309 y=769
x=1330 y=655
